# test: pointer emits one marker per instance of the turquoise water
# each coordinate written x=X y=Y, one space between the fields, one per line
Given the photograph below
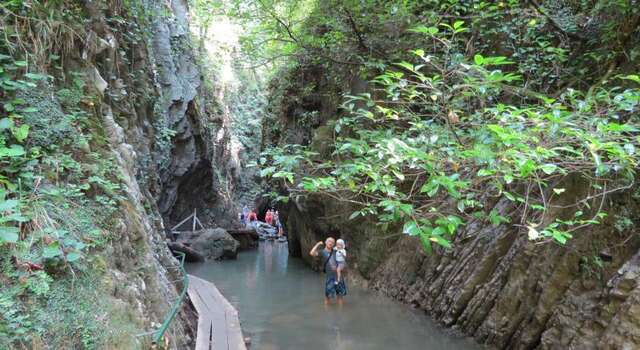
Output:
x=280 y=301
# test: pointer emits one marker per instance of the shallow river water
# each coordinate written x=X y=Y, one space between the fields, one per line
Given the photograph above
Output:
x=280 y=302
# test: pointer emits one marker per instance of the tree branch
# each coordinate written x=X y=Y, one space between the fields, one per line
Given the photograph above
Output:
x=287 y=28
x=354 y=27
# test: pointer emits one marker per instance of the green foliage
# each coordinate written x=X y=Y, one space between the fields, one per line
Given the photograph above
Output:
x=592 y=266
x=13 y=155
x=58 y=191
x=67 y=313
x=443 y=135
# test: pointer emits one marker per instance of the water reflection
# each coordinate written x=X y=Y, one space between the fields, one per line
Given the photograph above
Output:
x=281 y=307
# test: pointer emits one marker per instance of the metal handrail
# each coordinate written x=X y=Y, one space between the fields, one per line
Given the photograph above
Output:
x=159 y=333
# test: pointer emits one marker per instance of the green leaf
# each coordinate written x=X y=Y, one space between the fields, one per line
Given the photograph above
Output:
x=354 y=215
x=6 y=123
x=406 y=208
x=510 y=196
x=508 y=178
x=52 y=250
x=13 y=151
x=13 y=217
x=478 y=59
x=418 y=52
x=29 y=110
x=424 y=30
x=441 y=241
x=527 y=167
x=9 y=234
x=35 y=76
x=406 y=65
x=485 y=172
x=8 y=205
x=426 y=243
x=399 y=175
x=21 y=133
x=73 y=256
x=411 y=228
x=560 y=237
x=632 y=77
x=267 y=171
x=549 y=168
x=438 y=231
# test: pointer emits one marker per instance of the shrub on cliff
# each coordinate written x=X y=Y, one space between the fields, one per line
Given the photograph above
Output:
x=444 y=134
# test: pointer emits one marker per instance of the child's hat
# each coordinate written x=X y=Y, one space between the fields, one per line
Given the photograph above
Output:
x=341 y=241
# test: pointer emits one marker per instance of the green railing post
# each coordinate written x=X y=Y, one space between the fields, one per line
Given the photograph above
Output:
x=157 y=334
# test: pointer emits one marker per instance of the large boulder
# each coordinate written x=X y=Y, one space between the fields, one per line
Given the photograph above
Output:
x=211 y=243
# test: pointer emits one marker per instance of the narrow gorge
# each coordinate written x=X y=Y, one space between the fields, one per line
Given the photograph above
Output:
x=479 y=158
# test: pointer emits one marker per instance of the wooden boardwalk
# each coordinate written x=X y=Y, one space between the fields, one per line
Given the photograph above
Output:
x=218 y=323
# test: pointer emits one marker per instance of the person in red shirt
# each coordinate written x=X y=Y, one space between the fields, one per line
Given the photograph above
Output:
x=269 y=217
x=252 y=216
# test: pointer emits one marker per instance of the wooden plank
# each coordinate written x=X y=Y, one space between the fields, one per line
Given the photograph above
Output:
x=203 y=338
x=217 y=318
x=204 y=322
x=234 y=332
x=195 y=217
x=199 y=223
x=181 y=222
x=217 y=305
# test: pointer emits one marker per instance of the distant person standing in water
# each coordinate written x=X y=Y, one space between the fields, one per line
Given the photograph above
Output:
x=330 y=267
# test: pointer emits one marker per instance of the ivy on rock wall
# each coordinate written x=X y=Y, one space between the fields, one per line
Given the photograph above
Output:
x=70 y=211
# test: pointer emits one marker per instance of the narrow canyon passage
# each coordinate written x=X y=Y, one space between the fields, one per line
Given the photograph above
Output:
x=478 y=159
x=279 y=299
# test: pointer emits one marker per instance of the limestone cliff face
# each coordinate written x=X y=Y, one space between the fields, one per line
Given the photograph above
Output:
x=196 y=141
x=148 y=90
x=168 y=144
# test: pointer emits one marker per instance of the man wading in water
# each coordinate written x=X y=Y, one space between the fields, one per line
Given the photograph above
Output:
x=329 y=266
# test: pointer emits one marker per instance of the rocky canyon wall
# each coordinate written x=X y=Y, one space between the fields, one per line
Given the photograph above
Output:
x=495 y=285
x=124 y=101
x=150 y=87
x=173 y=137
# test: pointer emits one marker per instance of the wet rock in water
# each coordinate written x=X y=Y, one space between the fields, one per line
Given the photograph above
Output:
x=248 y=238
x=265 y=229
x=211 y=243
